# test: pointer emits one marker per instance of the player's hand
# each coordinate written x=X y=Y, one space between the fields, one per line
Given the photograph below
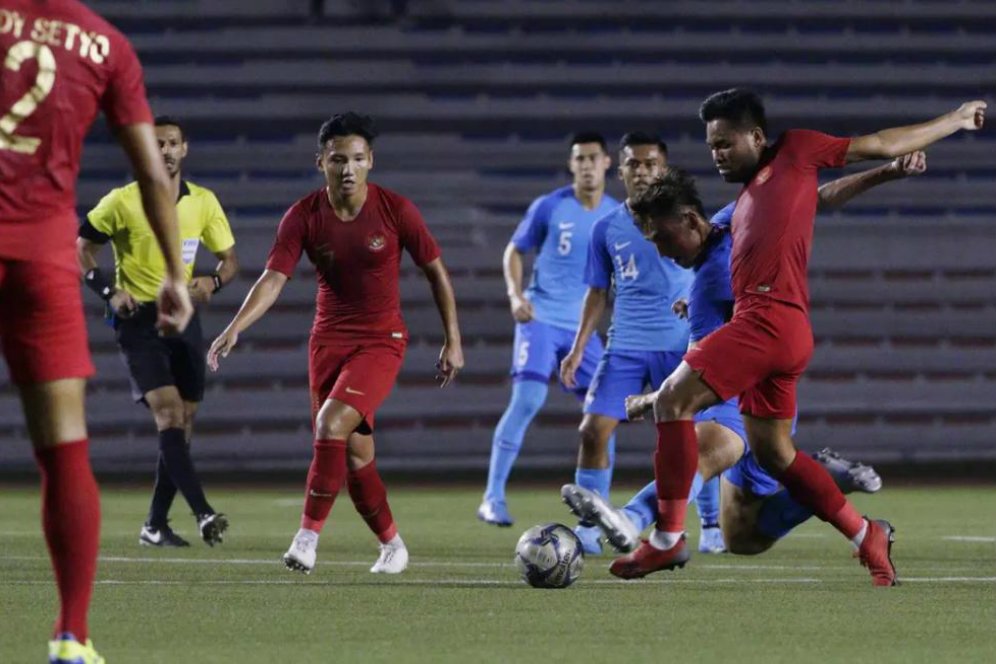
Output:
x=971 y=115
x=221 y=347
x=450 y=362
x=680 y=308
x=201 y=289
x=569 y=369
x=123 y=304
x=522 y=309
x=913 y=163
x=638 y=405
x=174 y=307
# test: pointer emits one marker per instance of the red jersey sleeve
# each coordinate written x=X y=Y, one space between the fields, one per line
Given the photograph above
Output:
x=815 y=149
x=124 y=101
x=287 y=248
x=415 y=236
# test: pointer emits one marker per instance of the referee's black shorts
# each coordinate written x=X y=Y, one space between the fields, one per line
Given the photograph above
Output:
x=155 y=361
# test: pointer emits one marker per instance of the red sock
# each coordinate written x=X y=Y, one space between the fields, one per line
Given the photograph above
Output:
x=325 y=477
x=675 y=462
x=370 y=498
x=811 y=486
x=71 y=521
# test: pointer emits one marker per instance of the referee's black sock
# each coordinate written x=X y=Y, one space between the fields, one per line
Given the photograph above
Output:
x=162 y=496
x=176 y=456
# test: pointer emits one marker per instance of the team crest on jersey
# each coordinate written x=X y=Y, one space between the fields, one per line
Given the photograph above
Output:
x=376 y=242
x=764 y=175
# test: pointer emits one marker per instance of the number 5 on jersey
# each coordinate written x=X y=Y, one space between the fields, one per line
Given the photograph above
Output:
x=18 y=54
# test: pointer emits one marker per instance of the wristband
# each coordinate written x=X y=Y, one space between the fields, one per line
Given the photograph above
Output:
x=99 y=284
x=218 y=283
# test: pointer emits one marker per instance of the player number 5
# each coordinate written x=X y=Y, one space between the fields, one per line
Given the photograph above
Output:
x=18 y=54
x=564 y=246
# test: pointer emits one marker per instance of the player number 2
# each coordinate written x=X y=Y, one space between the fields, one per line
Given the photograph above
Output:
x=564 y=246
x=18 y=54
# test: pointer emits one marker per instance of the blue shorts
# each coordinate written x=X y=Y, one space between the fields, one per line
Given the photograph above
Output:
x=539 y=348
x=621 y=373
x=747 y=473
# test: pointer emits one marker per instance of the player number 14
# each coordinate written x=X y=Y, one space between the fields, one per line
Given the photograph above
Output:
x=628 y=269
x=18 y=54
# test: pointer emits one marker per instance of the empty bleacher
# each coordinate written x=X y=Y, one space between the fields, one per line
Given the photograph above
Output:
x=475 y=99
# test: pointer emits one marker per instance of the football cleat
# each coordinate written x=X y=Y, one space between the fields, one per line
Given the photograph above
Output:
x=164 y=537
x=875 y=552
x=648 y=559
x=393 y=558
x=212 y=527
x=711 y=540
x=590 y=507
x=67 y=650
x=495 y=512
x=303 y=551
x=850 y=476
x=591 y=539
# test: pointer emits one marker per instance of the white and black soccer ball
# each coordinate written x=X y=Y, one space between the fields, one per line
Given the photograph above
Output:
x=549 y=556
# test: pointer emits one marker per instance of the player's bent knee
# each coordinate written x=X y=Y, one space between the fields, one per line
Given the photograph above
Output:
x=670 y=405
x=169 y=415
x=746 y=543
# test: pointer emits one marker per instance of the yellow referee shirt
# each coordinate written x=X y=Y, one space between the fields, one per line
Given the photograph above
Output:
x=139 y=264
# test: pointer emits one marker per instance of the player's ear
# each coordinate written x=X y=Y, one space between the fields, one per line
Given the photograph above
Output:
x=184 y=146
x=318 y=161
x=370 y=159
x=758 y=139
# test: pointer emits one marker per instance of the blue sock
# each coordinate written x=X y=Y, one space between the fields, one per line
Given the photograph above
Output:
x=779 y=514
x=707 y=503
x=642 y=508
x=528 y=397
x=594 y=479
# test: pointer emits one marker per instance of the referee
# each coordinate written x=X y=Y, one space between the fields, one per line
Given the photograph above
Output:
x=167 y=373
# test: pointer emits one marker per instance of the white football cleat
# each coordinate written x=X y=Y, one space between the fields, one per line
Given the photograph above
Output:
x=590 y=507
x=850 y=476
x=711 y=540
x=393 y=557
x=303 y=551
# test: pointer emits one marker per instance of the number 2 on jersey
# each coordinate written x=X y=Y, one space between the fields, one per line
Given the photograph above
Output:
x=18 y=54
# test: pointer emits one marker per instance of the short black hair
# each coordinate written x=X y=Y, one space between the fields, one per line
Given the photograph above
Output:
x=171 y=121
x=347 y=124
x=667 y=195
x=740 y=106
x=589 y=137
x=642 y=138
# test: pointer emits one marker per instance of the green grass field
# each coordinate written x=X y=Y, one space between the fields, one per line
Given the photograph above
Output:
x=461 y=600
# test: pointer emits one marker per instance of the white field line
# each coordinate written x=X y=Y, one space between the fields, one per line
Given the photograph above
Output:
x=968 y=538
x=442 y=564
x=517 y=584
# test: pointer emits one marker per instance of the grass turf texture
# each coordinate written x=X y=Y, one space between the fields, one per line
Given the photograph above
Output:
x=461 y=599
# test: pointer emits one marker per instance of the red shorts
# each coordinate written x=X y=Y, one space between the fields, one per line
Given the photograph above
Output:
x=358 y=373
x=758 y=356
x=42 y=329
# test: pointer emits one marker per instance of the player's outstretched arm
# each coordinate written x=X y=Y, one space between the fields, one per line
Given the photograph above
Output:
x=139 y=143
x=836 y=193
x=261 y=297
x=895 y=142
x=451 y=356
x=591 y=315
x=511 y=265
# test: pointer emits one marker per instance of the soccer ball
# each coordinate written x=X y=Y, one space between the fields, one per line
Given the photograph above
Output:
x=549 y=556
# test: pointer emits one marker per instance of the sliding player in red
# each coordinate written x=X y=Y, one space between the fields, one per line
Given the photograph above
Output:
x=762 y=352
x=62 y=64
x=354 y=233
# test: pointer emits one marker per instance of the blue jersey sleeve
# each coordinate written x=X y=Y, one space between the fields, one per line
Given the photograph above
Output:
x=531 y=231
x=598 y=268
x=725 y=216
x=710 y=305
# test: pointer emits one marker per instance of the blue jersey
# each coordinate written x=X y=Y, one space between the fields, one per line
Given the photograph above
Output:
x=710 y=303
x=558 y=228
x=646 y=286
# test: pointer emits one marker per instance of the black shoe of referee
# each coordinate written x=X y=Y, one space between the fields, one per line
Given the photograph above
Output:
x=164 y=537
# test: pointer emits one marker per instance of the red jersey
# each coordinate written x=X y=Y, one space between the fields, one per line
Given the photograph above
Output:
x=62 y=63
x=773 y=219
x=357 y=262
